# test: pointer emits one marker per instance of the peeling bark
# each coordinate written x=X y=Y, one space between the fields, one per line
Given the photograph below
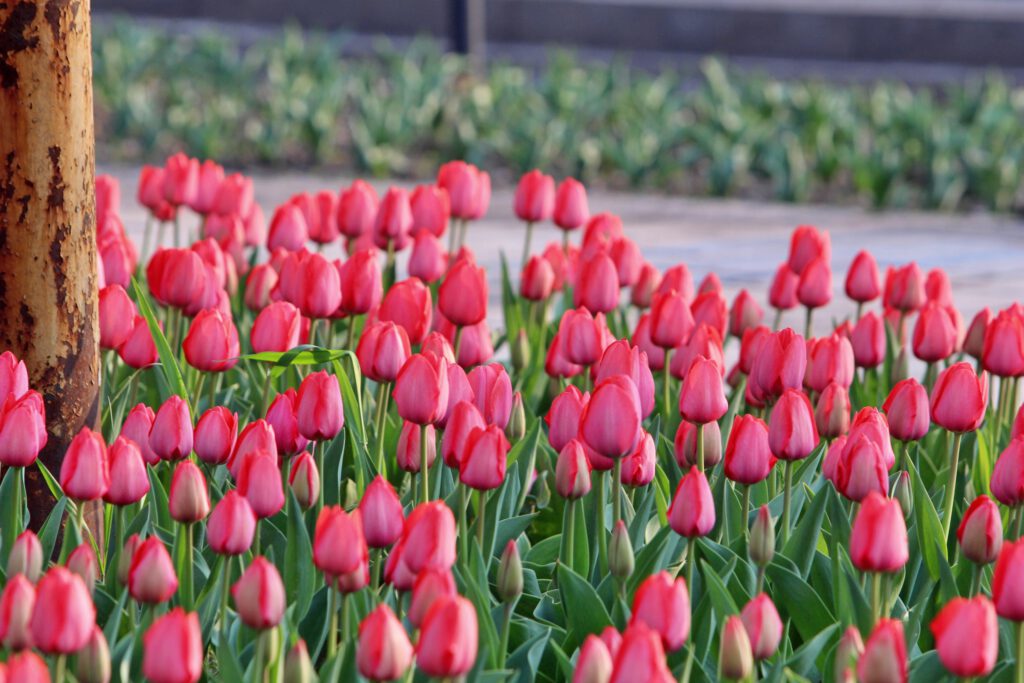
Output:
x=48 y=269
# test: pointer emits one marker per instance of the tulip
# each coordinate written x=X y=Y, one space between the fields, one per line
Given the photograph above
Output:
x=848 y=651
x=276 y=328
x=710 y=308
x=641 y=657
x=151 y=577
x=430 y=585
x=428 y=539
x=782 y=293
x=408 y=452
x=463 y=183
x=262 y=279
x=571 y=210
x=462 y=297
x=594 y=664
x=868 y=341
x=572 y=471
x=180 y=179
x=475 y=345
x=974 y=340
x=563 y=418
x=176 y=277
x=383 y=652
x=692 y=512
x=935 y=334
x=394 y=221
x=671 y=320
x=792 y=433
x=84 y=473
x=482 y=466
x=22 y=429
x=16 y=603
x=360 y=280
x=25 y=667
x=464 y=420
x=428 y=259
x=492 y=389
x=171 y=435
x=861 y=468
x=610 y=422
x=663 y=604
x=685 y=445
x=780 y=364
x=621 y=358
x=421 y=389
x=151 y=193
x=537 y=280
x=381 y=512
x=63 y=614
x=382 y=351
x=621 y=561
x=981 y=531
x=885 y=654
x=318 y=407
x=212 y=342
x=447 y=646
x=597 y=286
x=13 y=376
x=407 y=304
x=357 y=209
x=829 y=359
x=259 y=480
x=188 y=500
x=807 y=243
x=628 y=260
x=173 y=648
x=763 y=625
x=907 y=412
x=832 y=413
x=304 y=480
x=1007 y=590
x=82 y=562
x=117 y=313
x=288 y=228
x=735 y=660
x=638 y=467
x=703 y=398
x=26 y=556
x=814 y=289
x=255 y=436
x=339 y=547
x=878 y=540
x=745 y=314
x=1003 y=350
x=534 y=198
x=129 y=481
x=582 y=337
x=863 y=283
x=232 y=525
x=215 y=435
x=138 y=350
x=259 y=595
x=647 y=283
x=1007 y=483
x=967 y=636
x=319 y=289
x=93 y=660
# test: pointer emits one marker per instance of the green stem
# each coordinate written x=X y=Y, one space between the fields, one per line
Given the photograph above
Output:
x=602 y=532
x=617 y=492
x=786 y=499
x=259 y=656
x=570 y=535
x=666 y=386
x=1020 y=654
x=225 y=589
x=481 y=518
x=458 y=342
x=60 y=671
x=876 y=597
x=745 y=514
x=383 y=394
x=256 y=540
x=860 y=310
x=951 y=488
x=526 y=245
x=463 y=527
x=976 y=580
x=332 y=633
x=319 y=448
x=809 y=324
x=700 y=447
x=1017 y=525
x=778 y=319
x=424 y=472
x=187 y=595
x=351 y=337
x=691 y=560
x=506 y=626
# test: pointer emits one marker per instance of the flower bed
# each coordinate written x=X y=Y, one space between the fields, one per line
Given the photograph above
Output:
x=307 y=465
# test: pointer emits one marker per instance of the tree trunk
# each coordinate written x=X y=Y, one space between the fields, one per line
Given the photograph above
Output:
x=48 y=269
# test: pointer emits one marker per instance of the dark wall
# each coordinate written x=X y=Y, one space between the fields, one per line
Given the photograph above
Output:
x=976 y=33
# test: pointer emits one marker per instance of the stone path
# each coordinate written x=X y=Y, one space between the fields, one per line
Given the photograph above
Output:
x=742 y=241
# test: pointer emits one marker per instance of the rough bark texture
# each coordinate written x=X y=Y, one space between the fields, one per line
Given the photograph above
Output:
x=48 y=270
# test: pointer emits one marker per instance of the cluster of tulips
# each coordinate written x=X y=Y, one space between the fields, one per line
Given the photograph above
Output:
x=263 y=499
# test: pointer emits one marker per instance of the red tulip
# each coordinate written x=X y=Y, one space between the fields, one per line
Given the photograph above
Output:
x=628 y=260
x=407 y=303
x=710 y=308
x=383 y=652
x=255 y=436
x=594 y=664
x=685 y=444
x=622 y=358
x=871 y=422
x=597 y=286
x=462 y=297
x=276 y=328
x=878 y=540
x=261 y=281
x=904 y=288
x=967 y=636
x=181 y=179
x=430 y=209
x=935 y=334
x=868 y=341
x=151 y=193
x=430 y=585
x=117 y=313
x=571 y=210
x=535 y=197
x=692 y=512
x=151 y=578
x=212 y=342
x=885 y=654
x=582 y=337
x=176 y=277
x=832 y=413
x=907 y=410
x=807 y=244
x=84 y=473
x=641 y=657
x=1008 y=474
x=26 y=556
x=83 y=563
x=745 y=314
x=63 y=614
x=381 y=512
x=464 y=184
x=232 y=525
x=259 y=480
x=792 y=433
x=138 y=350
x=974 y=340
x=981 y=531
x=647 y=282
x=318 y=290
x=357 y=209
x=339 y=547
x=537 y=280
x=13 y=376
x=779 y=365
x=171 y=435
x=318 y=407
x=19 y=597
x=259 y=595
x=428 y=259
x=959 y=398
x=763 y=625
x=129 y=481
x=421 y=389
x=829 y=359
x=383 y=350
x=361 y=288
x=572 y=471
x=188 y=499
x=702 y=399
x=288 y=228
x=671 y=320
x=22 y=429
x=492 y=390
x=663 y=603
x=610 y=423
x=214 y=435
x=1003 y=350
x=173 y=648
x=815 y=287
x=465 y=418
x=408 y=450
x=428 y=538
x=1007 y=590
x=861 y=468
x=782 y=293
x=394 y=220
x=482 y=465
x=108 y=195
x=863 y=283
x=447 y=645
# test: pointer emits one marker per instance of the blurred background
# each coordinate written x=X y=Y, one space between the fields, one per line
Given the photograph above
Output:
x=909 y=104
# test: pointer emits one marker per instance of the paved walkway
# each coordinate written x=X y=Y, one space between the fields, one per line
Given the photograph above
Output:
x=742 y=241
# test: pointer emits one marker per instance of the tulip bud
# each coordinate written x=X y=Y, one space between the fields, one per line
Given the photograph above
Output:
x=82 y=561
x=735 y=661
x=19 y=597
x=421 y=389
x=878 y=540
x=484 y=459
x=407 y=304
x=304 y=480
x=93 y=661
x=383 y=652
x=339 y=546
x=318 y=407
x=516 y=427
x=906 y=410
x=462 y=297
x=447 y=645
x=885 y=654
x=902 y=492
x=124 y=563
x=762 y=538
x=594 y=664
x=188 y=499
x=22 y=428
x=152 y=579
x=641 y=656
x=510 y=574
x=981 y=531
x=663 y=604
x=428 y=538
x=763 y=625
x=25 y=667
x=848 y=651
x=610 y=423
x=171 y=435
x=232 y=525
x=259 y=595
x=64 y=615
x=832 y=414
x=215 y=435
x=572 y=471
x=297 y=666
x=85 y=474
x=129 y=481
x=520 y=351
x=959 y=398
x=967 y=636
x=173 y=648
x=259 y=480
x=571 y=209
x=620 y=552
x=381 y=512
x=792 y=433
x=26 y=556
x=692 y=512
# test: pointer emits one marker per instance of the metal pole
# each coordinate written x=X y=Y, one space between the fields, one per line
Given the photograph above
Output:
x=469 y=30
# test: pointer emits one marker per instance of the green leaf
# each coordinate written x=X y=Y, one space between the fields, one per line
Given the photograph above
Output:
x=299 y=576
x=720 y=597
x=804 y=542
x=584 y=611
x=926 y=520
x=48 y=534
x=12 y=506
x=805 y=607
x=168 y=359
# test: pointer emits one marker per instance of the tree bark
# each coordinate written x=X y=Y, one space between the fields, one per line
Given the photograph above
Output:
x=48 y=263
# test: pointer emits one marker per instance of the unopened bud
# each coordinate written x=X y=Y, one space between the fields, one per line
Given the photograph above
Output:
x=762 y=538
x=350 y=494
x=297 y=666
x=82 y=561
x=542 y=491
x=93 y=660
x=620 y=552
x=901 y=492
x=735 y=658
x=26 y=556
x=520 y=351
x=124 y=564
x=850 y=648
x=305 y=480
x=516 y=428
x=510 y=574
x=981 y=531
